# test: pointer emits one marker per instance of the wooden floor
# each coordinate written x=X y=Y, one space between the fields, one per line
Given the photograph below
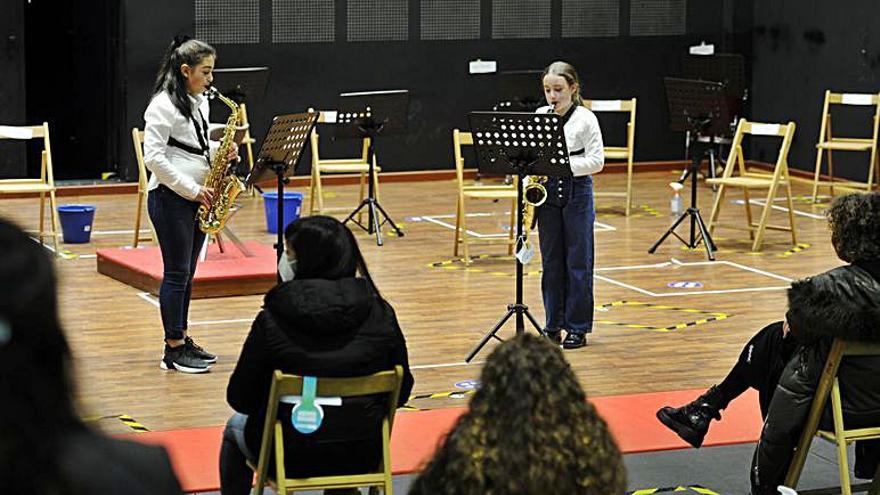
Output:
x=444 y=310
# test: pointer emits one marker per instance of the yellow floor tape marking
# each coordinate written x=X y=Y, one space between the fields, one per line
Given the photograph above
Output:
x=710 y=316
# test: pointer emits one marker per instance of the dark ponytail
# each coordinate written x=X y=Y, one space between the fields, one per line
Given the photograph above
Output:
x=182 y=50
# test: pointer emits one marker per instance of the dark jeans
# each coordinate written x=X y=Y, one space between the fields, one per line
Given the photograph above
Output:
x=565 y=227
x=180 y=241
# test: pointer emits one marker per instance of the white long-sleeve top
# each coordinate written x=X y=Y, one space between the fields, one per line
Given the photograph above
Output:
x=582 y=132
x=181 y=171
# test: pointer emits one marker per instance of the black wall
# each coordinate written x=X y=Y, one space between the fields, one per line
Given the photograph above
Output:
x=71 y=70
x=802 y=48
x=435 y=72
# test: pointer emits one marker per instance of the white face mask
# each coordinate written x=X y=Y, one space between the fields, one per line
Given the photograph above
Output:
x=286 y=268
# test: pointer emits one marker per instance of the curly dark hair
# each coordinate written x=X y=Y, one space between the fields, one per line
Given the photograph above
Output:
x=854 y=220
x=529 y=431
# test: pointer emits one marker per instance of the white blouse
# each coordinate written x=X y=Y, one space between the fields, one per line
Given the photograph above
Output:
x=582 y=132
x=181 y=171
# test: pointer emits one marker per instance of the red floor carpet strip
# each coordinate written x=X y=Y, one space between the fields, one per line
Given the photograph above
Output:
x=228 y=273
x=195 y=452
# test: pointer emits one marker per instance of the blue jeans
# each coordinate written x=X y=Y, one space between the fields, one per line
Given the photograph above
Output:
x=565 y=227
x=180 y=240
x=236 y=477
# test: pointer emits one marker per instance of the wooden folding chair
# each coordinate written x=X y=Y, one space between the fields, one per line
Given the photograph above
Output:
x=470 y=191
x=828 y=382
x=829 y=143
x=44 y=185
x=323 y=166
x=386 y=382
x=753 y=180
x=619 y=152
x=137 y=138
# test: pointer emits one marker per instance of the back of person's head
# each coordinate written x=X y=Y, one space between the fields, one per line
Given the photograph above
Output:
x=529 y=430
x=36 y=407
x=325 y=248
x=855 y=227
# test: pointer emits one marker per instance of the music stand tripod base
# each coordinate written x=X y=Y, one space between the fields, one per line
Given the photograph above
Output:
x=696 y=223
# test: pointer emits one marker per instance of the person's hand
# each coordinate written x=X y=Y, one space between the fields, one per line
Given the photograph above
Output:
x=205 y=196
x=232 y=156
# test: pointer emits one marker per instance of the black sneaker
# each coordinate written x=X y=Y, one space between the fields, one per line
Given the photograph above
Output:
x=181 y=358
x=554 y=336
x=691 y=421
x=199 y=352
x=574 y=341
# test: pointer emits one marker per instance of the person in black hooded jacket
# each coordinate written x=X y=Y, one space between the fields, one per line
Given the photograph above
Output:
x=784 y=360
x=323 y=320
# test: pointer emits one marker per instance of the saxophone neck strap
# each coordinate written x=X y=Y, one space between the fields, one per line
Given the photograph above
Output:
x=184 y=146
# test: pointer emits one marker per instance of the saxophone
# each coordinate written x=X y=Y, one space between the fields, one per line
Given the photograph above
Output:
x=534 y=195
x=225 y=184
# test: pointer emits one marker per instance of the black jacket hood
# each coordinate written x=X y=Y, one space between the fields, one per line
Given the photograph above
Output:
x=320 y=307
x=843 y=302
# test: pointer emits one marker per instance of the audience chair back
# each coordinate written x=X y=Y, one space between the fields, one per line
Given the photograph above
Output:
x=385 y=382
x=472 y=191
x=44 y=185
x=137 y=138
x=830 y=143
x=619 y=152
x=737 y=176
x=829 y=385
x=323 y=166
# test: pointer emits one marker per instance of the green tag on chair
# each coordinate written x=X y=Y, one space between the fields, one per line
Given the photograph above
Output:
x=307 y=415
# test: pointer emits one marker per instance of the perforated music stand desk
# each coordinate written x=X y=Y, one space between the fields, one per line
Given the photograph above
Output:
x=520 y=144
x=279 y=156
x=370 y=114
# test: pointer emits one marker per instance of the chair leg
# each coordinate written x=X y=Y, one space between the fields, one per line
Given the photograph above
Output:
x=456 y=237
x=716 y=208
x=629 y=176
x=53 y=215
x=790 y=212
x=837 y=417
x=816 y=175
x=42 y=216
x=765 y=217
x=318 y=192
x=830 y=173
x=137 y=219
x=464 y=234
x=749 y=220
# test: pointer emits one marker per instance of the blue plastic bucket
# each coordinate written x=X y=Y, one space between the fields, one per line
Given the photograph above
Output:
x=292 y=205
x=76 y=222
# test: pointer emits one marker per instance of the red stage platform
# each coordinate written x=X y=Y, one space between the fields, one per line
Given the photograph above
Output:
x=230 y=273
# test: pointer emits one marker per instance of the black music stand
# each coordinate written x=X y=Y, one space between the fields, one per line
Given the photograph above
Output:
x=280 y=155
x=698 y=107
x=242 y=83
x=518 y=144
x=368 y=115
x=518 y=91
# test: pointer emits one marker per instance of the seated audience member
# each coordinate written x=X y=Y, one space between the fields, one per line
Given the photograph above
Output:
x=44 y=446
x=326 y=319
x=784 y=360
x=529 y=431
